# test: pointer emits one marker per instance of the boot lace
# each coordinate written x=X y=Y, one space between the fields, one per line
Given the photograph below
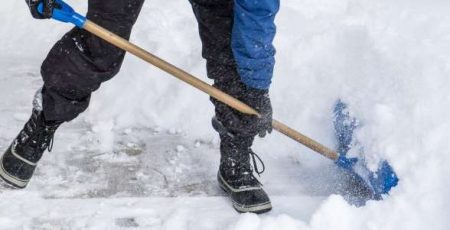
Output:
x=34 y=135
x=255 y=164
x=244 y=168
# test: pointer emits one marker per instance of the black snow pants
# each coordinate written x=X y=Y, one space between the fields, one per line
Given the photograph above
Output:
x=78 y=63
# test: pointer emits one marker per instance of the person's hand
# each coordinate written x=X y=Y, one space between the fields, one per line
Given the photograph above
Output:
x=47 y=12
x=241 y=124
x=260 y=101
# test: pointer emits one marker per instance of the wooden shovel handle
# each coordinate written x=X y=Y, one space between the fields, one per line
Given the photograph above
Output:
x=201 y=85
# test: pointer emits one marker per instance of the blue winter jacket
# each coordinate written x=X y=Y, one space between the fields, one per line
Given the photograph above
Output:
x=253 y=33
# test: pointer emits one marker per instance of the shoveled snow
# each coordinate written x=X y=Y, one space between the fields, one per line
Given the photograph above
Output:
x=144 y=155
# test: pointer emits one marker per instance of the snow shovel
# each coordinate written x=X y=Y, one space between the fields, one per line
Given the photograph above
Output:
x=379 y=182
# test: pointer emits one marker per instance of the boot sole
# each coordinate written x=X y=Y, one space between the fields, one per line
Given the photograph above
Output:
x=8 y=178
x=241 y=208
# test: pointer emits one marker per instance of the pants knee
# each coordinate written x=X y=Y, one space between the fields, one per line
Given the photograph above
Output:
x=74 y=66
x=78 y=63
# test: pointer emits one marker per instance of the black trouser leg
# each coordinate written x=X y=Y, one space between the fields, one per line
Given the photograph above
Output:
x=215 y=21
x=78 y=63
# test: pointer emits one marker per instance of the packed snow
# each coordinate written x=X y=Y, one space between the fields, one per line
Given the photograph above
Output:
x=144 y=155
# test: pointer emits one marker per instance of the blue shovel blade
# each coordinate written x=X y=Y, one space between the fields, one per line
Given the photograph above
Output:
x=383 y=179
x=379 y=182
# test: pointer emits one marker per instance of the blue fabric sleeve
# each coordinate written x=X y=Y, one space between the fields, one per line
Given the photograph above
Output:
x=252 y=37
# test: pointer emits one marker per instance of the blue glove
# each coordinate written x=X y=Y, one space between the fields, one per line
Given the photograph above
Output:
x=49 y=5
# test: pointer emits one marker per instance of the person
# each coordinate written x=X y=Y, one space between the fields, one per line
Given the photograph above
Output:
x=237 y=37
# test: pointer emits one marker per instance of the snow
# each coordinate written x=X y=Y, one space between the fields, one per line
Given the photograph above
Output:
x=151 y=164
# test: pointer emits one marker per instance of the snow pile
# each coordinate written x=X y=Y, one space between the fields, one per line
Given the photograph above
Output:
x=389 y=60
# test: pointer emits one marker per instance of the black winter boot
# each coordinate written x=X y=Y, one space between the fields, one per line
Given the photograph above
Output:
x=20 y=159
x=235 y=174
